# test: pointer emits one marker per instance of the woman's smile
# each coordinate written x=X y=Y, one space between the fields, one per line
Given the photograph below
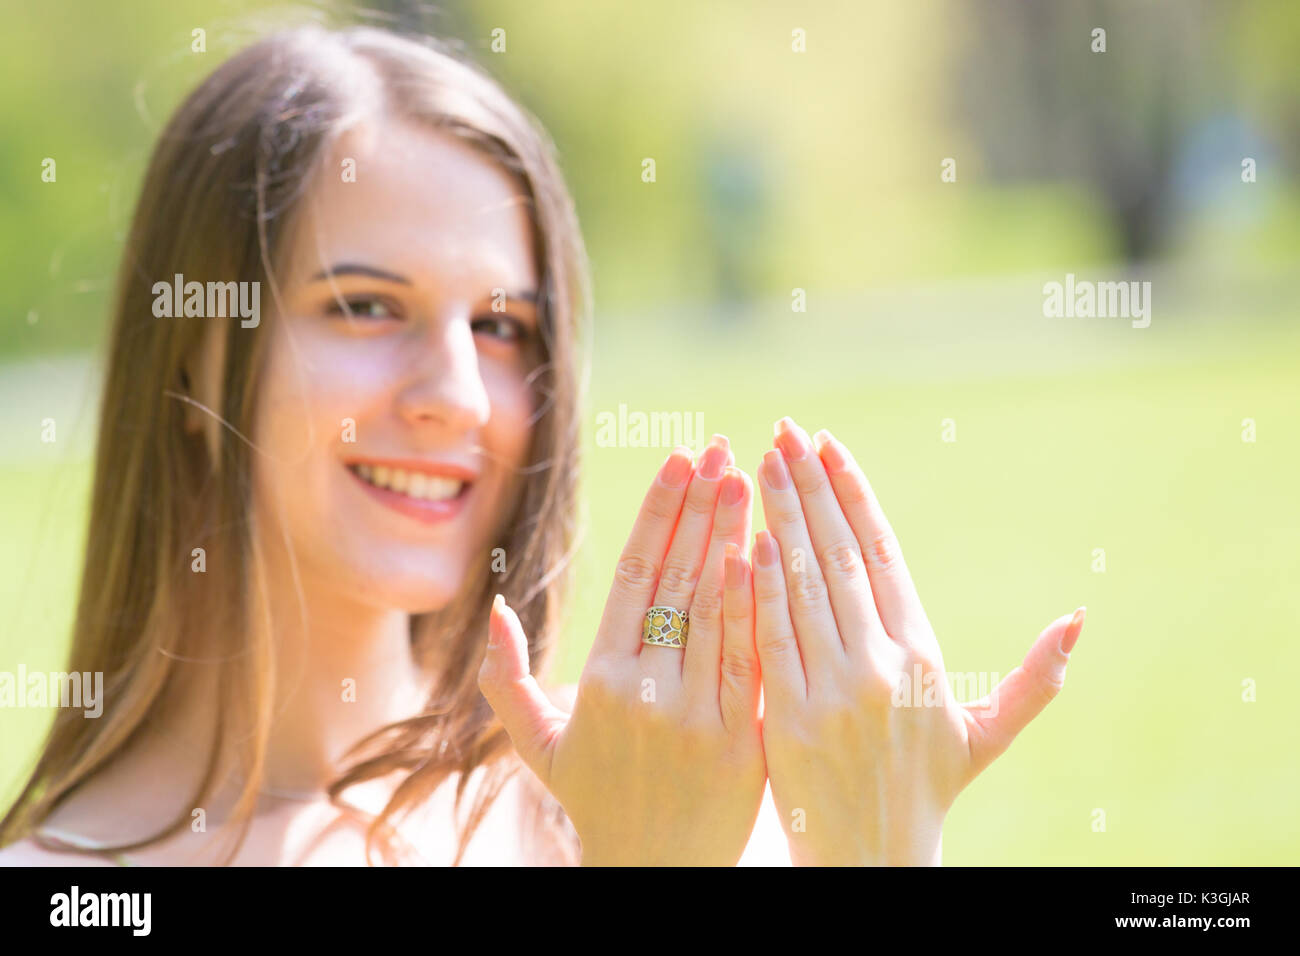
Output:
x=428 y=491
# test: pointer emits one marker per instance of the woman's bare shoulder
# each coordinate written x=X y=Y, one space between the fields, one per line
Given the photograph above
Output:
x=28 y=852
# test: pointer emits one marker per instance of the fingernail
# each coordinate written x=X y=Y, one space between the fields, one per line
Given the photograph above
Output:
x=833 y=456
x=712 y=462
x=735 y=566
x=498 y=610
x=792 y=440
x=774 y=471
x=733 y=487
x=765 y=549
x=1073 y=630
x=676 y=469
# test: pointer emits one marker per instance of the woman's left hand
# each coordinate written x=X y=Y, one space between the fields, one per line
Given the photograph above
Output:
x=863 y=763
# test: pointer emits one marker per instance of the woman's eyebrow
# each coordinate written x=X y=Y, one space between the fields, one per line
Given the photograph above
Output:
x=354 y=269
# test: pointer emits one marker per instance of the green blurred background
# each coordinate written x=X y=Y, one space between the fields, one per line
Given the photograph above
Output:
x=820 y=170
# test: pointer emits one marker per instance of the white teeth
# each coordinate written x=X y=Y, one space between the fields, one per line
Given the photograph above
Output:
x=413 y=484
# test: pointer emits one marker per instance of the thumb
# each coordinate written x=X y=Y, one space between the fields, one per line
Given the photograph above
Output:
x=994 y=721
x=529 y=717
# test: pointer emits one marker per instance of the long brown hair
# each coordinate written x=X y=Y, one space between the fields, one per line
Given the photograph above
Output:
x=218 y=200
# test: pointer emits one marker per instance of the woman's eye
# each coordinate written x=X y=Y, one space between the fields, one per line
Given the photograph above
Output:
x=362 y=307
x=505 y=328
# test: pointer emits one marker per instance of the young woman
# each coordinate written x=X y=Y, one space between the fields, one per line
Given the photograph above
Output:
x=299 y=524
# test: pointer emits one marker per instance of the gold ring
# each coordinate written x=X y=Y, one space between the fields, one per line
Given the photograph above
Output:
x=665 y=627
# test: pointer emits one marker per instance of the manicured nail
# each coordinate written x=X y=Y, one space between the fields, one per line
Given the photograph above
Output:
x=833 y=453
x=712 y=462
x=774 y=471
x=499 y=610
x=733 y=487
x=765 y=549
x=677 y=468
x=792 y=440
x=735 y=566
x=1073 y=630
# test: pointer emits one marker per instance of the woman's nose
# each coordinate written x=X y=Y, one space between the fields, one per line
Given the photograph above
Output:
x=445 y=385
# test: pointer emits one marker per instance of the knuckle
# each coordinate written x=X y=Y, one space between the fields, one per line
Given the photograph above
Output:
x=699 y=502
x=678 y=576
x=698 y=731
x=833 y=717
x=598 y=684
x=707 y=603
x=842 y=558
x=737 y=611
x=778 y=649
x=811 y=483
x=1048 y=682
x=925 y=656
x=769 y=589
x=739 y=665
x=659 y=718
x=853 y=491
x=885 y=553
x=807 y=591
x=661 y=506
x=635 y=572
x=790 y=518
x=874 y=688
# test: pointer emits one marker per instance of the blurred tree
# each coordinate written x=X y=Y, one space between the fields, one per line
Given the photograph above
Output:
x=735 y=186
x=1042 y=103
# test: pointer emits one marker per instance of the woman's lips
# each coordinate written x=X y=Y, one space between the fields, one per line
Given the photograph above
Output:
x=429 y=494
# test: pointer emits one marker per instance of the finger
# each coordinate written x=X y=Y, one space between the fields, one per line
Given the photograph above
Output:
x=637 y=572
x=835 y=547
x=820 y=646
x=529 y=717
x=685 y=558
x=994 y=721
x=891 y=583
x=740 y=684
x=785 y=685
x=703 y=656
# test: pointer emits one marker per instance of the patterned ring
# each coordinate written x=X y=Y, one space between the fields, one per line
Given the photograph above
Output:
x=665 y=627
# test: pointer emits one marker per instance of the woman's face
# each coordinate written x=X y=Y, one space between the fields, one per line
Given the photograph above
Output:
x=393 y=437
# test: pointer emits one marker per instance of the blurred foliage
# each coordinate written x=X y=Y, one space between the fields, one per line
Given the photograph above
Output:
x=775 y=169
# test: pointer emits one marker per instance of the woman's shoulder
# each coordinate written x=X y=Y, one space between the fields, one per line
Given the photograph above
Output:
x=521 y=825
x=526 y=825
x=27 y=852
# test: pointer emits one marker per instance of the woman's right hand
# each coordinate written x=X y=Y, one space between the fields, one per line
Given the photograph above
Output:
x=661 y=761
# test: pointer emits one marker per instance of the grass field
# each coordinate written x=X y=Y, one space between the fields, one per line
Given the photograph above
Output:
x=1070 y=436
